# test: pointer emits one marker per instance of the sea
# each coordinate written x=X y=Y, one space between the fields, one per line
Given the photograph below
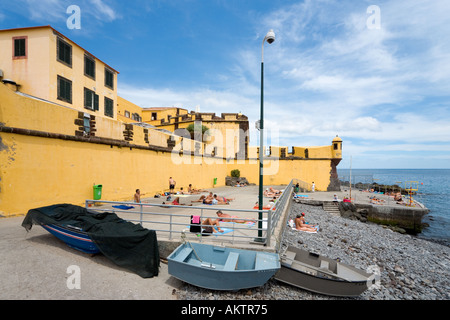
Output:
x=433 y=191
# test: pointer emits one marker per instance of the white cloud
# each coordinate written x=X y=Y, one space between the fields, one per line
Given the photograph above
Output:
x=54 y=11
x=328 y=74
x=45 y=10
x=103 y=10
x=209 y=100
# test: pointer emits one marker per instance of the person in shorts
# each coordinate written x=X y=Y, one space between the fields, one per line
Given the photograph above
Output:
x=171 y=185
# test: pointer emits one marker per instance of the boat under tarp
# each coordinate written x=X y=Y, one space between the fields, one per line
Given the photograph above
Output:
x=313 y=272
x=221 y=268
x=74 y=237
x=127 y=244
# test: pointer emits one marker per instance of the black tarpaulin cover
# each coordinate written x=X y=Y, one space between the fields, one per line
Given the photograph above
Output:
x=127 y=244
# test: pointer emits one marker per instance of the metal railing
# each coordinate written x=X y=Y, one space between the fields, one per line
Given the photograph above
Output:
x=173 y=223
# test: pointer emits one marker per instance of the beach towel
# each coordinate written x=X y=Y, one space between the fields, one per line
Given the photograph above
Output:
x=304 y=231
x=123 y=207
x=248 y=223
x=195 y=224
x=225 y=231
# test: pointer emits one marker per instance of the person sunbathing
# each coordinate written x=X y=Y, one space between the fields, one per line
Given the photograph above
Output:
x=211 y=200
x=270 y=194
x=217 y=200
x=176 y=202
x=227 y=218
x=267 y=206
x=398 y=197
x=275 y=191
x=303 y=221
x=195 y=191
x=201 y=199
x=208 y=226
x=299 y=225
x=220 y=198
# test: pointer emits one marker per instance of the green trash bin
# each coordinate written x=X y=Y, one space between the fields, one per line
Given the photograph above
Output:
x=215 y=181
x=97 y=191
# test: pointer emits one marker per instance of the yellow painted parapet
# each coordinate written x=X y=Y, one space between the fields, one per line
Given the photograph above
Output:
x=127 y=111
x=24 y=112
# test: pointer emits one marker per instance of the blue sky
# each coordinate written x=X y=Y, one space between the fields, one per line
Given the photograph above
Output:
x=384 y=88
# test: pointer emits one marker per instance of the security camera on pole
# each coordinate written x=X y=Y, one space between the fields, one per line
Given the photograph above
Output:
x=270 y=38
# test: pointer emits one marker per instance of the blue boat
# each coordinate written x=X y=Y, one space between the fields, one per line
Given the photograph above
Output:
x=74 y=237
x=127 y=244
x=221 y=268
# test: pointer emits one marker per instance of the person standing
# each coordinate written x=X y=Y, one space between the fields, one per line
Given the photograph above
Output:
x=172 y=184
x=137 y=196
x=313 y=187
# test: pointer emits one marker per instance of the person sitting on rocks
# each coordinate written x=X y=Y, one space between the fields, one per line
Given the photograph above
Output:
x=335 y=199
x=303 y=221
x=302 y=226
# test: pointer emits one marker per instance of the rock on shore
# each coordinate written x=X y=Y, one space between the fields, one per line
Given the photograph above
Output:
x=409 y=267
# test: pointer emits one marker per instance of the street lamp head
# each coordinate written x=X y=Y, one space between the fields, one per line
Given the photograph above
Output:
x=270 y=36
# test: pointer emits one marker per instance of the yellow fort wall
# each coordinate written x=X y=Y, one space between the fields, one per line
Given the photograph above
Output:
x=43 y=162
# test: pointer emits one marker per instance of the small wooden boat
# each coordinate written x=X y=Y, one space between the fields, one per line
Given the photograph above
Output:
x=74 y=237
x=316 y=273
x=220 y=268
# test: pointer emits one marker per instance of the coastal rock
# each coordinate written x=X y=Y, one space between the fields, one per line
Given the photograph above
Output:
x=409 y=267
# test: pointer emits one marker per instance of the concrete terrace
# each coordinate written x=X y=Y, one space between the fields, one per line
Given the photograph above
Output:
x=242 y=235
x=171 y=221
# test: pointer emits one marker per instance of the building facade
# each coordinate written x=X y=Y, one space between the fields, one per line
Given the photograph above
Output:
x=44 y=63
x=58 y=140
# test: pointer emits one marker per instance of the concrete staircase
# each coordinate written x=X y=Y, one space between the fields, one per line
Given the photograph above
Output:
x=332 y=208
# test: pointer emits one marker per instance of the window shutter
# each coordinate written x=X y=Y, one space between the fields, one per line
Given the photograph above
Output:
x=96 y=107
x=69 y=87
x=86 y=98
x=19 y=47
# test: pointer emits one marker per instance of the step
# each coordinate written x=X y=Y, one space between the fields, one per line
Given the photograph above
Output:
x=331 y=208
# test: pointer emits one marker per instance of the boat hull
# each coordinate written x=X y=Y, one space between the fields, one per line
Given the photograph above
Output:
x=76 y=239
x=320 y=285
x=209 y=267
x=322 y=275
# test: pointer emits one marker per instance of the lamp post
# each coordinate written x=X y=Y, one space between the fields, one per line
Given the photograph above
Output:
x=270 y=38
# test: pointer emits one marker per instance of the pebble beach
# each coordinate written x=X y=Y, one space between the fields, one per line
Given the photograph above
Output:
x=409 y=268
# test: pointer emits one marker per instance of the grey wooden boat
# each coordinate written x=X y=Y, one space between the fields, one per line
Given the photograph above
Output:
x=316 y=273
x=221 y=268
